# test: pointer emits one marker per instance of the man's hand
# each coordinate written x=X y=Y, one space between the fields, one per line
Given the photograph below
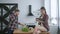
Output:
x=21 y=24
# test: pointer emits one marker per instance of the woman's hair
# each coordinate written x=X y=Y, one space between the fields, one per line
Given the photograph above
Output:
x=43 y=9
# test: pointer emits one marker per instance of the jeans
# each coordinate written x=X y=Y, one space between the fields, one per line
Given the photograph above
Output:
x=10 y=31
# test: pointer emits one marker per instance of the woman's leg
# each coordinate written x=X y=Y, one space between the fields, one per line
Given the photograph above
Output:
x=36 y=30
x=39 y=29
x=42 y=29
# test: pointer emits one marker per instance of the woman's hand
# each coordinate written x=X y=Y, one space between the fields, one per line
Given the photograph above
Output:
x=41 y=21
x=37 y=19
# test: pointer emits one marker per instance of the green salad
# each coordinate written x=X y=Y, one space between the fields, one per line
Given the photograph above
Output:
x=25 y=29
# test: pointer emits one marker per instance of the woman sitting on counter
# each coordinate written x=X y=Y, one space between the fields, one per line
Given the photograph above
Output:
x=42 y=22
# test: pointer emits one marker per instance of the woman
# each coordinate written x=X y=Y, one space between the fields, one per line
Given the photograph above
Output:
x=42 y=21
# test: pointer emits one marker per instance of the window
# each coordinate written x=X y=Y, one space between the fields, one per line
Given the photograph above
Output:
x=54 y=12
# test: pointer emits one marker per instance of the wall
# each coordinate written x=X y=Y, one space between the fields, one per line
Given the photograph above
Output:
x=36 y=4
x=23 y=7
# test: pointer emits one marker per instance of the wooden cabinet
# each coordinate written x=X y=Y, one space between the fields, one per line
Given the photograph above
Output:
x=17 y=31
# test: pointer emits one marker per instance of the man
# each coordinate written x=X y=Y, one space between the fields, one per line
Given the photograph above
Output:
x=13 y=21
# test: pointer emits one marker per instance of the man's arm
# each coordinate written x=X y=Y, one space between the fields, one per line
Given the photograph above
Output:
x=11 y=17
x=21 y=24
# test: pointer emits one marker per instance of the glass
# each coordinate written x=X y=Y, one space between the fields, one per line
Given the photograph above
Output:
x=54 y=16
x=4 y=11
x=54 y=13
x=4 y=26
x=9 y=6
x=59 y=18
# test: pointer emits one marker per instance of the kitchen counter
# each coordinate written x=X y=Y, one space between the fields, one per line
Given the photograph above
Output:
x=17 y=31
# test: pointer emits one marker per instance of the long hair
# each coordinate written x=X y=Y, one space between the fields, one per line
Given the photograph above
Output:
x=44 y=9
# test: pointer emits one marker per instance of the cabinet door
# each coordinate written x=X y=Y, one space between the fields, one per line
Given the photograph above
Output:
x=5 y=10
